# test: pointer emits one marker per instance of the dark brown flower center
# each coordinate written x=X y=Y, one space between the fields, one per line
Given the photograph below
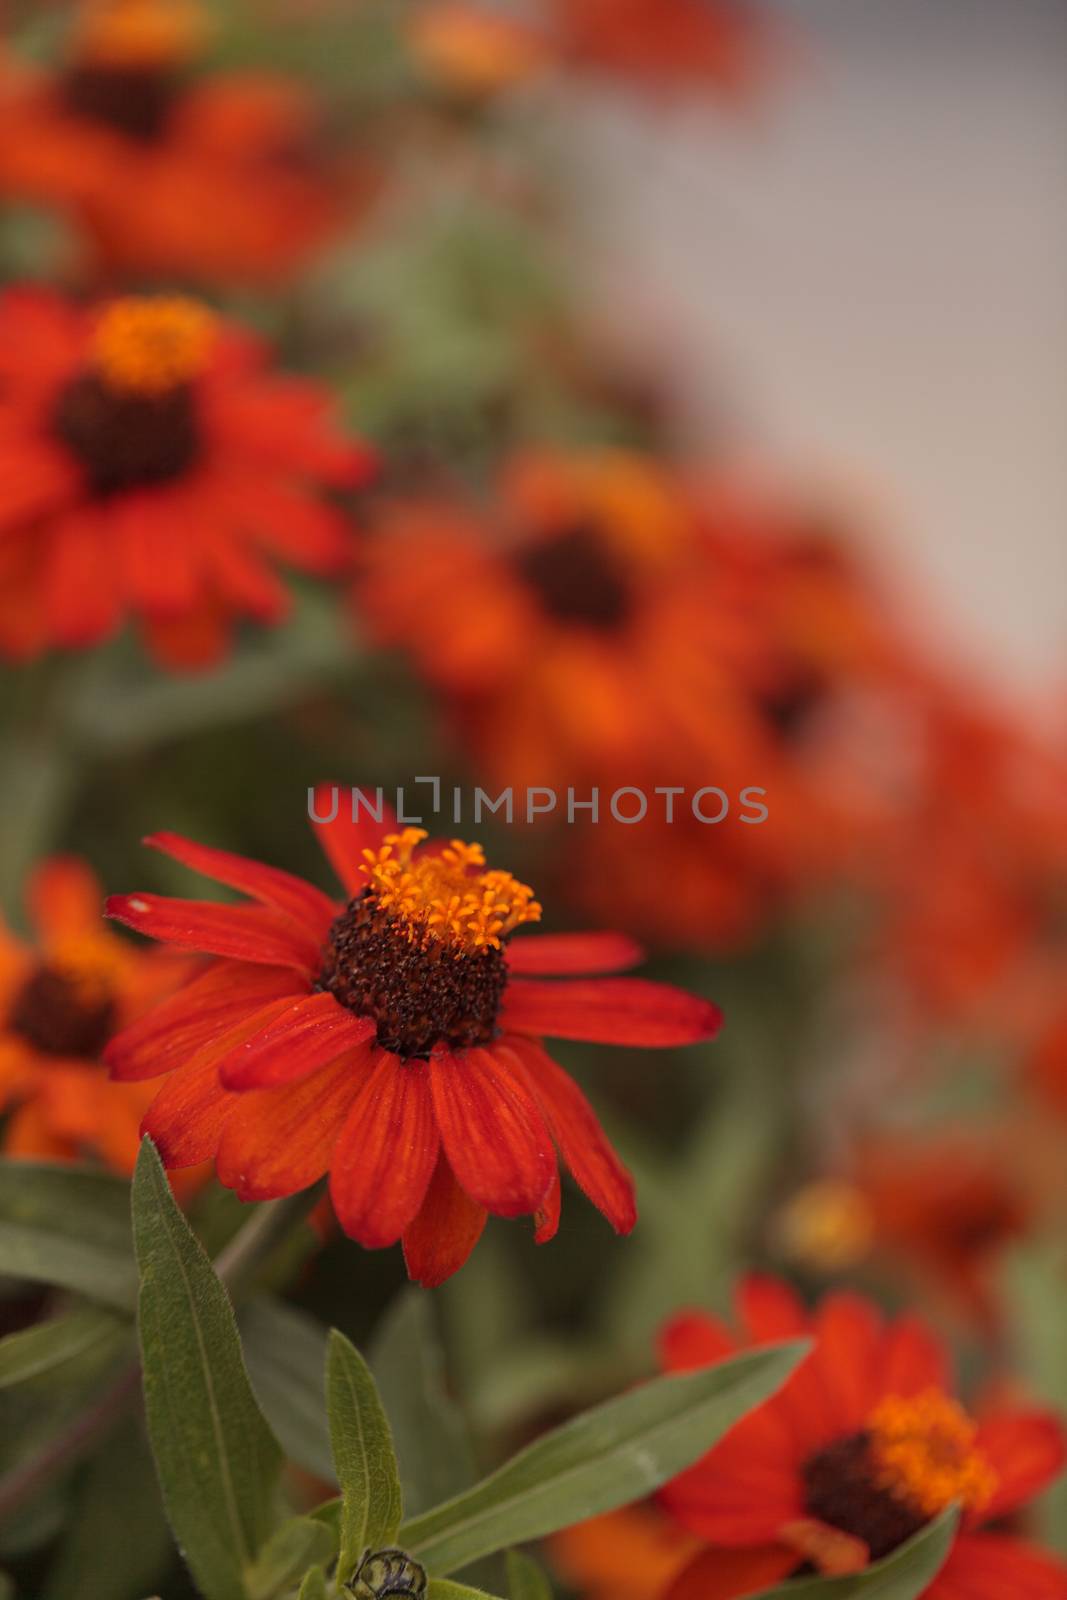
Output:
x=124 y=439
x=842 y=1488
x=60 y=1016
x=420 y=990
x=577 y=580
x=133 y=100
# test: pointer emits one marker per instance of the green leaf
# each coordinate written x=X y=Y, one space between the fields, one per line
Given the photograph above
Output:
x=286 y=1352
x=432 y=1444
x=287 y=1555
x=604 y=1458
x=907 y=1573
x=363 y=1455
x=45 y=1347
x=116 y=1542
x=444 y=1589
x=68 y=1226
x=314 y=1585
x=526 y=1581
x=217 y=1460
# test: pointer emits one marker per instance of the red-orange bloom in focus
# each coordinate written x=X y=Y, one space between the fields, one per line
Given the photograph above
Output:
x=392 y=1039
x=862 y=1449
x=167 y=171
x=151 y=465
x=61 y=998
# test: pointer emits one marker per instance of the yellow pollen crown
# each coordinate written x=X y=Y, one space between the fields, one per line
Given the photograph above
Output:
x=145 y=346
x=924 y=1452
x=445 y=893
x=828 y=1225
x=141 y=33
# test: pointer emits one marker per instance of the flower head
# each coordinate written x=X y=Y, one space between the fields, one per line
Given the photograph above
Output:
x=61 y=998
x=392 y=1039
x=153 y=467
x=862 y=1449
x=165 y=169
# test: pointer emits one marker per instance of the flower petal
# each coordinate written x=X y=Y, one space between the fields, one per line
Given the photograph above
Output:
x=609 y=1011
x=269 y=885
x=278 y=1141
x=445 y=1231
x=730 y=1574
x=64 y=897
x=1027 y=1450
x=246 y=933
x=385 y=1154
x=344 y=839
x=546 y=1221
x=993 y=1567
x=580 y=1139
x=81 y=599
x=186 y=1118
x=549 y=954
x=201 y=1012
x=313 y=1031
x=694 y=1339
x=494 y=1135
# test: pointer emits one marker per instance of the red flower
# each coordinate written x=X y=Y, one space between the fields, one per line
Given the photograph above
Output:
x=60 y=999
x=167 y=170
x=149 y=465
x=394 y=1041
x=666 y=43
x=861 y=1450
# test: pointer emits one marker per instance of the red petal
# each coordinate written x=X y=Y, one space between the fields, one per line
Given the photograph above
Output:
x=246 y=582
x=992 y=1567
x=64 y=897
x=913 y=1359
x=81 y=601
x=494 y=1135
x=609 y=1011
x=692 y=1340
x=730 y=1574
x=848 y=1360
x=549 y=954
x=203 y=1011
x=36 y=478
x=310 y=1033
x=385 y=1154
x=343 y=840
x=270 y=885
x=278 y=1141
x=445 y=1231
x=186 y=1118
x=157 y=561
x=770 y=1309
x=246 y=933
x=580 y=1139
x=1027 y=1450
x=547 y=1219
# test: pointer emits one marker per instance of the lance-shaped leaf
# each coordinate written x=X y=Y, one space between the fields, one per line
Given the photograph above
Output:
x=526 y=1581
x=87 y=1331
x=314 y=1585
x=604 y=1458
x=363 y=1455
x=70 y=1227
x=287 y=1556
x=432 y=1444
x=904 y=1575
x=217 y=1460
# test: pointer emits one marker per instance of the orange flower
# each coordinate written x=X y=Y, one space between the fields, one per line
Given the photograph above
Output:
x=150 y=465
x=665 y=43
x=630 y=1554
x=862 y=1449
x=167 y=171
x=393 y=1041
x=60 y=1000
x=473 y=53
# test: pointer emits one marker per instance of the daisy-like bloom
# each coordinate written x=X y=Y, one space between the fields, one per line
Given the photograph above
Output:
x=151 y=465
x=163 y=169
x=862 y=1449
x=471 y=53
x=61 y=998
x=392 y=1039
x=665 y=44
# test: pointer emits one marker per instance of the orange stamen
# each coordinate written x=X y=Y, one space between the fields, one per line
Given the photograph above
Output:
x=923 y=1450
x=446 y=894
x=149 y=346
